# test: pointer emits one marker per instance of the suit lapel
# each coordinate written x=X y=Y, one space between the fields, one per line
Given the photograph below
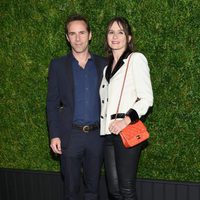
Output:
x=70 y=78
x=98 y=68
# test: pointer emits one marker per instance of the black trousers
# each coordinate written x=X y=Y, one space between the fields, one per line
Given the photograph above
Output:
x=84 y=155
x=121 y=167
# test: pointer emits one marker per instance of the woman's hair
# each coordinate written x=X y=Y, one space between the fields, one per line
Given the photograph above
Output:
x=127 y=30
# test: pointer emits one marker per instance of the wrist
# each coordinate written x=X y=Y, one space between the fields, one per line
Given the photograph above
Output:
x=127 y=120
x=132 y=114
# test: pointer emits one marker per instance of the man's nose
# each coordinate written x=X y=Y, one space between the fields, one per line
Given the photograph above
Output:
x=77 y=37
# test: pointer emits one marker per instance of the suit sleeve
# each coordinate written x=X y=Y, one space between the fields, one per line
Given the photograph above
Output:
x=53 y=101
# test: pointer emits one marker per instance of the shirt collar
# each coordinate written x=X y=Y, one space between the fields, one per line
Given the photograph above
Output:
x=73 y=59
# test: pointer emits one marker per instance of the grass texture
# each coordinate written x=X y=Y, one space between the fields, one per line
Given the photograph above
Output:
x=166 y=31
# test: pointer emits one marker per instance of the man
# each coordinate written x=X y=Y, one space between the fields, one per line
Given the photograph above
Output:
x=73 y=111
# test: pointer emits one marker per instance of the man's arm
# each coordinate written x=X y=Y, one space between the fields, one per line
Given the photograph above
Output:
x=53 y=101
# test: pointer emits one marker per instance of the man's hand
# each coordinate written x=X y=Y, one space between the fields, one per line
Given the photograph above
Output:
x=56 y=145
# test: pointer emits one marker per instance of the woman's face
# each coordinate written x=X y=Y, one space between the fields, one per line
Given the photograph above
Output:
x=116 y=38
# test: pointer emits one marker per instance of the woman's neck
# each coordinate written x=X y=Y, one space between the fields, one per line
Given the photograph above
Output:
x=116 y=57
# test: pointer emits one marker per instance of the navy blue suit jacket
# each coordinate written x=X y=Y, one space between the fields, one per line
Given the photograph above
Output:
x=60 y=97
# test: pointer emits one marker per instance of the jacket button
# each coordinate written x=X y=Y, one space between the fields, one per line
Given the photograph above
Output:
x=103 y=86
x=102 y=101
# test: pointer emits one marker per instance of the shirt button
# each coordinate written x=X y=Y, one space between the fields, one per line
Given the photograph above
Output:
x=102 y=101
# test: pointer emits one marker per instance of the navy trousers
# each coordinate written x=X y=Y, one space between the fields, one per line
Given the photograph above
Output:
x=84 y=155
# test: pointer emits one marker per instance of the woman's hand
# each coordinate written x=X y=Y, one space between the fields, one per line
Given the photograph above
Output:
x=117 y=126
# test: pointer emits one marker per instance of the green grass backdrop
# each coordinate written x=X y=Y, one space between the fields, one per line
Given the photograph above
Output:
x=166 y=31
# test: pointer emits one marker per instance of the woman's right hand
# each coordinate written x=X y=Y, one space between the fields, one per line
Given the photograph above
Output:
x=117 y=126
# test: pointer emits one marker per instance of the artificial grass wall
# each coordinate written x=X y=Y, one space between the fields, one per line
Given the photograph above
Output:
x=167 y=32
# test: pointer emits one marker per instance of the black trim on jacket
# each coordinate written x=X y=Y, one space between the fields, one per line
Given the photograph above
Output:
x=109 y=73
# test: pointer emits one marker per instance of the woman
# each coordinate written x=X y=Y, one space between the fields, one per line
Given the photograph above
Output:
x=121 y=163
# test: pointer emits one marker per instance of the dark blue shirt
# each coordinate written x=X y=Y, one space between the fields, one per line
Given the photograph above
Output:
x=86 y=95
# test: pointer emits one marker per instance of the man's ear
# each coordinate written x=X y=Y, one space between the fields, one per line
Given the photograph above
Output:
x=90 y=35
x=67 y=37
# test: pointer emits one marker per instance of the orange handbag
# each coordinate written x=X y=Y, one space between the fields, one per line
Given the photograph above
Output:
x=134 y=134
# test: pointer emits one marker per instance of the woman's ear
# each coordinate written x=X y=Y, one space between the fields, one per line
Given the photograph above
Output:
x=129 y=38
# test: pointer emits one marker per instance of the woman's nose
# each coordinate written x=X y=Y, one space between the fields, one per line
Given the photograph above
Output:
x=115 y=35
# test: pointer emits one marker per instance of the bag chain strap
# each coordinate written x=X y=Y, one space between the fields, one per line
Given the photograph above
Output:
x=123 y=86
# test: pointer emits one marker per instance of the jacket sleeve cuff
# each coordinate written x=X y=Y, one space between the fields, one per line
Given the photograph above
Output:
x=133 y=115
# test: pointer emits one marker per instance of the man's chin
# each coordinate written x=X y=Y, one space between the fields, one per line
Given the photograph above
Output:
x=80 y=50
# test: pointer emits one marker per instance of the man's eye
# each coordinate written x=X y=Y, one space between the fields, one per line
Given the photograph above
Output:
x=71 y=34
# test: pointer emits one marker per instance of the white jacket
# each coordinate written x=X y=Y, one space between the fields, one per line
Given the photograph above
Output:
x=137 y=85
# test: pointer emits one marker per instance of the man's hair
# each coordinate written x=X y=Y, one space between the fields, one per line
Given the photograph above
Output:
x=76 y=17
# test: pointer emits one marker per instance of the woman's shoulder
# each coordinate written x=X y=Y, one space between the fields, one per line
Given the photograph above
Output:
x=139 y=56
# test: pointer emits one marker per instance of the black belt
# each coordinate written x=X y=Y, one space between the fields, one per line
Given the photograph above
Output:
x=119 y=115
x=86 y=128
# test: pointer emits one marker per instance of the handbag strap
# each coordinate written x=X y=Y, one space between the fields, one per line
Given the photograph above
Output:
x=120 y=97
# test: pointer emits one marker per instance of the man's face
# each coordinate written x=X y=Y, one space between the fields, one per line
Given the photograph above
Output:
x=78 y=36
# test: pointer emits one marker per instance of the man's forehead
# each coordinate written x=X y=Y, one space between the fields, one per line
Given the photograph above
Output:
x=75 y=25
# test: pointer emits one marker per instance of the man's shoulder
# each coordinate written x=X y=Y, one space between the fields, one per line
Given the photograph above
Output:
x=61 y=59
x=100 y=59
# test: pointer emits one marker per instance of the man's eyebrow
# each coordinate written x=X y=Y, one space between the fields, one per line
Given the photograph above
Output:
x=78 y=32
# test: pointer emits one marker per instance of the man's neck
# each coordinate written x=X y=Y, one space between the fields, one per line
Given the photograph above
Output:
x=82 y=57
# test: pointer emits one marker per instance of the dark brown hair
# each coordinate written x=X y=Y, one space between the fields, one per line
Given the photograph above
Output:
x=127 y=30
x=76 y=17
